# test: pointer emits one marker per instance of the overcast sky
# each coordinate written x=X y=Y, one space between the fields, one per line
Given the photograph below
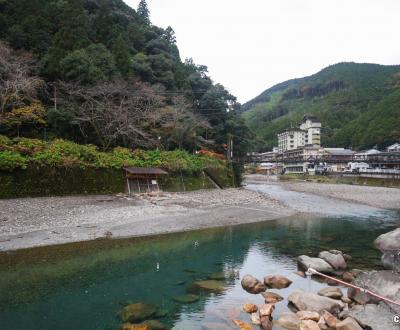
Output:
x=251 y=45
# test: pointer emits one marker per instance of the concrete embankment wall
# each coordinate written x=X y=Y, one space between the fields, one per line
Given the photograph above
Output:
x=38 y=181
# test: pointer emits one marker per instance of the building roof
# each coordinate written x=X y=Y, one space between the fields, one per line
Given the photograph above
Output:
x=339 y=151
x=312 y=118
x=368 y=152
x=145 y=170
x=394 y=145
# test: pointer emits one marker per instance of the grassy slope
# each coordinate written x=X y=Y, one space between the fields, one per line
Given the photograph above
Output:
x=363 y=112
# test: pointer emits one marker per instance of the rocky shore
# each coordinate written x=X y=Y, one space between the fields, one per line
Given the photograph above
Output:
x=372 y=298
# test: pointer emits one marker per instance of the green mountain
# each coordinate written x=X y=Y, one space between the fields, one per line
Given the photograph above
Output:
x=358 y=104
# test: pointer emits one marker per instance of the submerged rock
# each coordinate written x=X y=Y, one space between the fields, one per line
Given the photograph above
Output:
x=289 y=321
x=308 y=301
x=242 y=325
x=155 y=325
x=252 y=284
x=214 y=326
x=277 y=281
x=336 y=260
x=348 y=324
x=210 y=285
x=331 y=292
x=216 y=276
x=318 y=264
x=186 y=299
x=271 y=297
x=137 y=312
x=371 y=316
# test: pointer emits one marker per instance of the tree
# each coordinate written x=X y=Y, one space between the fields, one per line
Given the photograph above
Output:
x=19 y=84
x=73 y=34
x=143 y=11
x=115 y=113
x=90 y=65
x=122 y=55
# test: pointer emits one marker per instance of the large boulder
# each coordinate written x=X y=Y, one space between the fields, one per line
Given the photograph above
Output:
x=288 y=320
x=252 y=285
x=389 y=244
x=308 y=301
x=318 y=264
x=277 y=281
x=336 y=260
x=371 y=316
x=389 y=241
x=307 y=315
x=383 y=282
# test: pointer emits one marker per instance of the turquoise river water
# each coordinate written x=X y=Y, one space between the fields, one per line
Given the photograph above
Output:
x=84 y=285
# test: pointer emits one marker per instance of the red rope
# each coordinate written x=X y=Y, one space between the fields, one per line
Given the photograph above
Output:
x=313 y=271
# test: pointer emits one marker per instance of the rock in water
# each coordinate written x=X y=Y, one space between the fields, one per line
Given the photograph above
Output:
x=308 y=325
x=252 y=285
x=137 y=312
x=288 y=320
x=186 y=299
x=348 y=324
x=266 y=323
x=335 y=260
x=277 y=281
x=307 y=315
x=318 y=264
x=331 y=292
x=348 y=277
x=308 y=301
x=271 y=297
x=210 y=285
x=391 y=260
x=266 y=310
x=216 y=276
x=250 y=308
x=255 y=319
x=389 y=241
x=371 y=316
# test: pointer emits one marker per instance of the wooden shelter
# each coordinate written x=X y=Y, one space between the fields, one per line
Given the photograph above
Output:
x=143 y=179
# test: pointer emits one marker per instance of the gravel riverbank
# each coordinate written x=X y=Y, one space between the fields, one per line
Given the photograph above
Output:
x=29 y=222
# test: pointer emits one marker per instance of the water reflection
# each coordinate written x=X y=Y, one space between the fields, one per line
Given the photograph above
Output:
x=84 y=285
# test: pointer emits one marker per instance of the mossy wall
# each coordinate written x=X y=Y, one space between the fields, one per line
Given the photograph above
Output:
x=39 y=181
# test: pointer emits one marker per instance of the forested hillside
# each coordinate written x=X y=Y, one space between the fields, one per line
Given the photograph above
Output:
x=99 y=72
x=358 y=104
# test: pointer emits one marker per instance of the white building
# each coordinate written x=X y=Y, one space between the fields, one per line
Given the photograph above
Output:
x=291 y=139
x=393 y=147
x=312 y=126
x=307 y=134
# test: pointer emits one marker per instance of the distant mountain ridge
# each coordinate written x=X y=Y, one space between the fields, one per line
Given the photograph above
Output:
x=358 y=104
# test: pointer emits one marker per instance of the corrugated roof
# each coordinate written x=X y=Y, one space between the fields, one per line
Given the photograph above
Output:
x=145 y=170
x=339 y=151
